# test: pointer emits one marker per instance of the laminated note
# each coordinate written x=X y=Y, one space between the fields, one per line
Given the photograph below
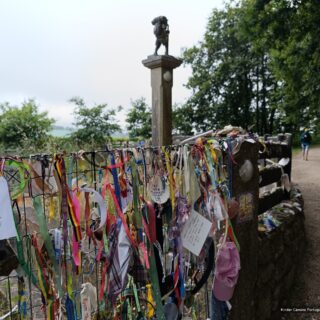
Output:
x=85 y=307
x=159 y=190
x=7 y=226
x=195 y=232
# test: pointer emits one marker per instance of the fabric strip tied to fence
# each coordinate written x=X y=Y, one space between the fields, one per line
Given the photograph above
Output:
x=126 y=217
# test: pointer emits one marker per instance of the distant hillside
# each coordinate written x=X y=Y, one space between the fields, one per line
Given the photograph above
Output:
x=120 y=134
x=60 y=131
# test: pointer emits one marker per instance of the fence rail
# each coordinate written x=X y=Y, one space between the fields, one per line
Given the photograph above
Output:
x=271 y=172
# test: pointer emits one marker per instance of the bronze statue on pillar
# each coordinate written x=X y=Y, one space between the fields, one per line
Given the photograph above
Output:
x=161 y=31
x=161 y=67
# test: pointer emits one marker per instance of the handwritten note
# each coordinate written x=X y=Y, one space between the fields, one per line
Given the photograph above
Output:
x=159 y=190
x=245 y=206
x=85 y=307
x=195 y=232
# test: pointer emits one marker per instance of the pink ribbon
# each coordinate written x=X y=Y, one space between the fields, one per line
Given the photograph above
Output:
x=75 y=244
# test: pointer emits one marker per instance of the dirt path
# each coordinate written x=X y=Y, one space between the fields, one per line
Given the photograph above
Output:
x=306 y=291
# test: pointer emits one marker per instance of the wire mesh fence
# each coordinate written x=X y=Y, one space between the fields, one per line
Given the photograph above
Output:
x=21 y=297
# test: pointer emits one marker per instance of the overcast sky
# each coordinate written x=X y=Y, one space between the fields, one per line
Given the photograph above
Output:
x=52 y=50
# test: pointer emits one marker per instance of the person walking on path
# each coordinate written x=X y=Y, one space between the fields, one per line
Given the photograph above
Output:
x=305 y=143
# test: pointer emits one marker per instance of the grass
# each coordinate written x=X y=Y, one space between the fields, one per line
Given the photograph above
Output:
x=297 y=149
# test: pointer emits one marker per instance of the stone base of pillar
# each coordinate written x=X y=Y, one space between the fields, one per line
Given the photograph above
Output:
x=161 y=82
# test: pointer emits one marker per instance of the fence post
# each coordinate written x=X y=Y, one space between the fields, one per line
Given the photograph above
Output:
x=246 y=230
x=289 y=142
x=161 y=82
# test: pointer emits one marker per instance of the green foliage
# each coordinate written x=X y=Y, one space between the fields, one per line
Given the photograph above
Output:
x=94 y=125
x=121 y=140
x=181 y=122
x=220 y=79
x=257 y=66
x=296 y=59
x=23 y=128
x=139 y=119
x=59 y=144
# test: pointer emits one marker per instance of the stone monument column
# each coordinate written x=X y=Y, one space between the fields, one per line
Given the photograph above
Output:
x=161 y=82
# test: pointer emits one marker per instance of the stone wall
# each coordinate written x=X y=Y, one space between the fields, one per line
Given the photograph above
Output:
x=279 y=253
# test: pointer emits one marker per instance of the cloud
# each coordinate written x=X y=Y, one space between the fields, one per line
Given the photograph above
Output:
x=54 y=50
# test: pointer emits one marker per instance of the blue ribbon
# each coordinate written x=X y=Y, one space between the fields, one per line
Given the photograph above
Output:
x=220 y=309
x=182 y=287
x=116 y=181
x=70 y=309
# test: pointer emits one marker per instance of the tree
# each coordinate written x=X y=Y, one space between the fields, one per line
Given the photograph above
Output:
x=94 y=125
x=258 y=64
x=266 y=90
x=24 y=127
x=296 y=59
x=181 y=121
x=221 y=81
x=139 y=119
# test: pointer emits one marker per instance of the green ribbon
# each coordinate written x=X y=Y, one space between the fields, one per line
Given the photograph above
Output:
x=47 y=241
x=22 y=167
x=22 y=260
x=153 y=274
x=212 y=170
x=20 y=253
x=129 y=310
x=136 y=298
x=140 y=315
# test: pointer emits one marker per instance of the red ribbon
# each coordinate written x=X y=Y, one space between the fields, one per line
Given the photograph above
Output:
x=119 y=211
x=103 y=280
x=152 y=221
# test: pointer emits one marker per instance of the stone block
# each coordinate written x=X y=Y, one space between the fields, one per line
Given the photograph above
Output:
x=282 y=266
x=277 y=245
x=265 y=253
x=298 y=247
x=287 y=237
x=297 y=227
x=265 y=274
x=276 y=294
x=288 y=280
x=263 y=310
x=276 y=315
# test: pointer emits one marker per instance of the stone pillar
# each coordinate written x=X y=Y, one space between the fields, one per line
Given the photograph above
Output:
x=161 y=82
x=246 y=190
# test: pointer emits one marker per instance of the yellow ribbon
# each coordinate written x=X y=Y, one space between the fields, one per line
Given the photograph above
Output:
x=69 y=287
x=171 y=180
x=213 y=153
x=51 y=209
x=151 y=303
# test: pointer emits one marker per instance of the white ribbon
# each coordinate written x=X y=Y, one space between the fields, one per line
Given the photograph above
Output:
x=103 y=209
x=7 y=226
x=88 y=297
x=15 y=308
